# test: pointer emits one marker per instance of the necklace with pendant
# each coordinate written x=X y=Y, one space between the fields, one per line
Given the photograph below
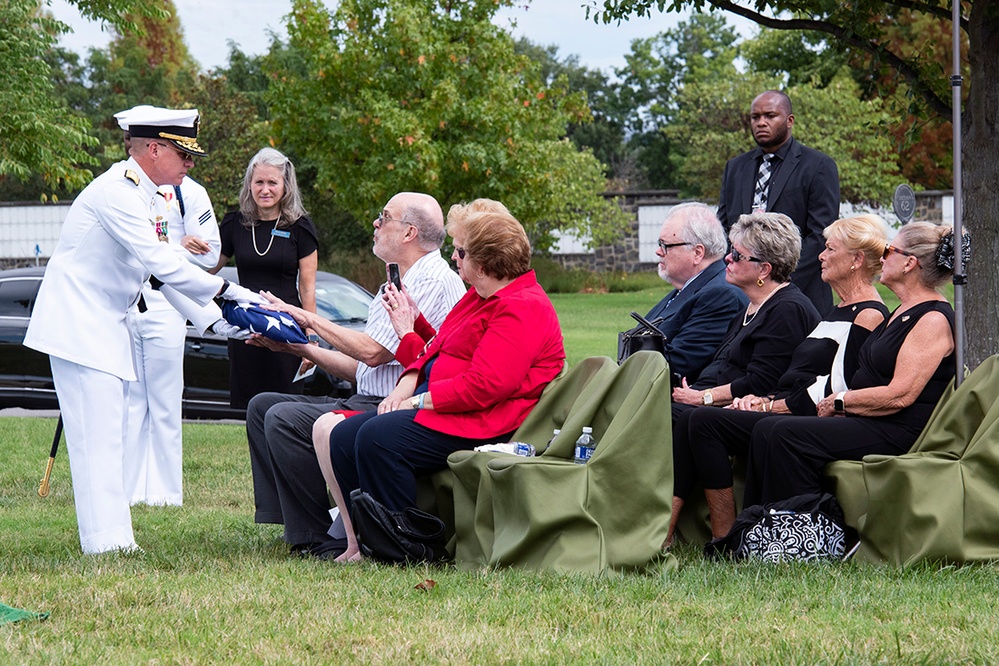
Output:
x=750 y=317
x=253 y=231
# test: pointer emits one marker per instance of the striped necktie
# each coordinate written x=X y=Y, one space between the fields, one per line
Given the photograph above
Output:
x=762 y=184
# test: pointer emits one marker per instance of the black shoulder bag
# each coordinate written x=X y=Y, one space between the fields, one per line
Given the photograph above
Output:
x=410 y=536
x=644 y=337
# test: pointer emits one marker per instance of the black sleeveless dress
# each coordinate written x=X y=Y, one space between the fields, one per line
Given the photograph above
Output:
x=787 y=453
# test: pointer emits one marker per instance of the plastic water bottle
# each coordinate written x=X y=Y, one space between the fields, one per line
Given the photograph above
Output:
x=585 y=446
x=554 y=437
x=523 y=449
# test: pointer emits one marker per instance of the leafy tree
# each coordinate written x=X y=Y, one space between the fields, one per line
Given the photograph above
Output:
x=802 y=57
x=922 y=143
x=835 y=120
x=701 y=50
x=862 y=26
x=251 y=75
x=147 y=62
x=924 y=139
x=604 y=135
x=430 y=96
x=231 y=133
x=712 y=125
x=38 y=132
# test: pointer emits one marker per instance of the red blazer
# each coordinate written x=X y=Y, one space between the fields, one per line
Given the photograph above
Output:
x=412 y=344
x=494 y=357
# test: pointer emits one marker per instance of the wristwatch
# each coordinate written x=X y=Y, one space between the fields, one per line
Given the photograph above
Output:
x=314 y=338
x=414 y=402
x=708 y=399
x=838 y=403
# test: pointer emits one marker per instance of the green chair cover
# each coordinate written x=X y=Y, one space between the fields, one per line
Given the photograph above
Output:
x=550 y=413
x=435 y=492
x=610 y=515
x=939 y=501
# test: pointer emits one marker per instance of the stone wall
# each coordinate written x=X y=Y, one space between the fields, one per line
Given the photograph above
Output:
x=623 y=255
x=930 y=206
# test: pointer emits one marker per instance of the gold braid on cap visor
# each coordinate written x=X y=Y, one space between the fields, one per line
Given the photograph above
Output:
x=186 y=142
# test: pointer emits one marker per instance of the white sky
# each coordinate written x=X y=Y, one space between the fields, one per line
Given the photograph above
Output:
x=209 y=24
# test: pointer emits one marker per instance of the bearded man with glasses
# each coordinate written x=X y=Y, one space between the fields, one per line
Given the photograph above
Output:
x=695 y=315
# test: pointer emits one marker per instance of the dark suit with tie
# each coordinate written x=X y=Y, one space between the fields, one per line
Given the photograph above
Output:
x=805 y=187
x=696 y=318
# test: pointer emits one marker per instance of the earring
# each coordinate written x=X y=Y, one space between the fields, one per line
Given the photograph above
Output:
x=853 y=268
x=759 y=282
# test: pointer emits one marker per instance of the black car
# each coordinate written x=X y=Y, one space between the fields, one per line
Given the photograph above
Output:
x=26 y=378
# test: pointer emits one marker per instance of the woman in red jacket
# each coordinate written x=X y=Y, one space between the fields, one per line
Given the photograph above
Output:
x=475 y=382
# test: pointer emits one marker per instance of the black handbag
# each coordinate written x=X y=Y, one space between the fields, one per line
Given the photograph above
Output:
x=644 y=337
x=410 y=536
x=802 y=528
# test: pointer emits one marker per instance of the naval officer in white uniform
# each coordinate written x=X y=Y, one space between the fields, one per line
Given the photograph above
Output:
x=107 y=249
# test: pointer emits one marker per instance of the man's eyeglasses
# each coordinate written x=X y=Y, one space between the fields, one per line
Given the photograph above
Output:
x=738 y=256
x=891 y=248
x=383 y=218
x=460 y=251
x=664 y=246
x=183 y=155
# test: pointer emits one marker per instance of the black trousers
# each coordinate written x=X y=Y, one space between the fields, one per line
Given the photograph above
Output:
x=288 y=486
x=382 y=454
x=787 y=453
x=702 y=450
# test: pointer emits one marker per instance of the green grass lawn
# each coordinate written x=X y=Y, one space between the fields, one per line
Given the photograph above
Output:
x=213 y=587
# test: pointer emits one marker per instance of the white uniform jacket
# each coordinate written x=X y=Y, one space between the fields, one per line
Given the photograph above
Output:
x=107 y=249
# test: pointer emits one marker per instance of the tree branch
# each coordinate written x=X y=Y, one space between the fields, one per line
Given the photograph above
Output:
x=911 y=74
x=933 y=10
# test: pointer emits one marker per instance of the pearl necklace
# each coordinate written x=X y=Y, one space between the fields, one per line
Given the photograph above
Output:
x=253 y=231
x=748 y=317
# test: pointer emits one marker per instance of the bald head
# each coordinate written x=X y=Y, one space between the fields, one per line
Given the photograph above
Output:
x=777 y=97
x=424 y=213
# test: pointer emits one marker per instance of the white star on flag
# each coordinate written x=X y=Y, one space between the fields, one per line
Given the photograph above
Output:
x=278 y=326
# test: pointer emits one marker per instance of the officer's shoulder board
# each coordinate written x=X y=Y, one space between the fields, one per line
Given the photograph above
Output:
x=132 y=176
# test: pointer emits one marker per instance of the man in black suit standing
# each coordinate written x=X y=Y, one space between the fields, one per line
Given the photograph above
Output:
x=695 y=316
x=782 y=176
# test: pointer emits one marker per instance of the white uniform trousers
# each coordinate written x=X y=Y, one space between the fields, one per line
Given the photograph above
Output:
x=92 y=403
x=153 y=463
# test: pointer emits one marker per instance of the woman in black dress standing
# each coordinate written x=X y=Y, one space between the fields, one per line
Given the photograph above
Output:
x=276 y=249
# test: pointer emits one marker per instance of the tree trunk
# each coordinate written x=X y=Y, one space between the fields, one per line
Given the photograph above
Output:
x=980 y=139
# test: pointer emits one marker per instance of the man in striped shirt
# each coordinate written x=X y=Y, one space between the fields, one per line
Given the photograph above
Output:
x=410 y=232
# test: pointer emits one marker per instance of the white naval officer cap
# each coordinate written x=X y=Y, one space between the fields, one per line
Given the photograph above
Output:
x=176 y=126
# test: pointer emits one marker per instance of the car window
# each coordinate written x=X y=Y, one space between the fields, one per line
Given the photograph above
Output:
x=341 y=301
x=17 y=296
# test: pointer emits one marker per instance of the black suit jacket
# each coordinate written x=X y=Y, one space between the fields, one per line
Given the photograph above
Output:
x=696 y=319
x=805 y=188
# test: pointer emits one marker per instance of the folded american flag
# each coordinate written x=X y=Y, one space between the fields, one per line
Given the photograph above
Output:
x=277 y=326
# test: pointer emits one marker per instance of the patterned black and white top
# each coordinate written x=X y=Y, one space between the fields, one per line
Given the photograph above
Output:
x=824 y=362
